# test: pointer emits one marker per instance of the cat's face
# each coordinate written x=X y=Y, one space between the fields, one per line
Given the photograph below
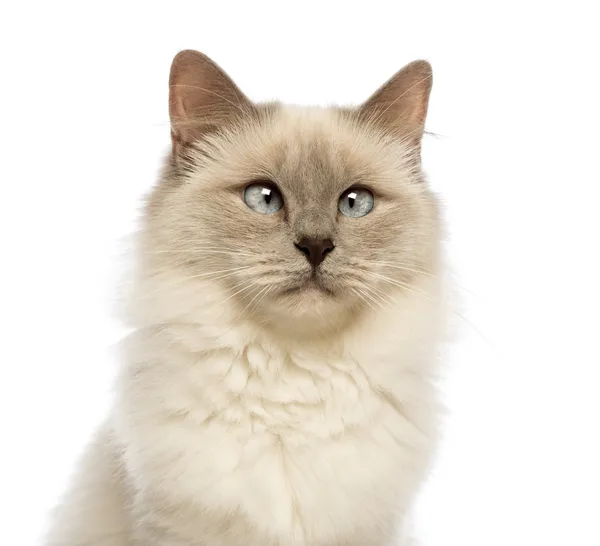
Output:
x=303 y=212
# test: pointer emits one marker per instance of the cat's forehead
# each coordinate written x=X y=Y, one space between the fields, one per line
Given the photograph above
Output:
x=309 y=152
x=318 y=151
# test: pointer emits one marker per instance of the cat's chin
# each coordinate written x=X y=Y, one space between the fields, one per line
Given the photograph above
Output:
x=308 y=313
x=310 y=302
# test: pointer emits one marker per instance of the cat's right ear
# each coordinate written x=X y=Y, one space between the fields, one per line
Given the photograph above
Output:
x=202 y=98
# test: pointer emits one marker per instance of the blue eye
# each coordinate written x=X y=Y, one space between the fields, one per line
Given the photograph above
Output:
x=263 y=197
x=356 y=202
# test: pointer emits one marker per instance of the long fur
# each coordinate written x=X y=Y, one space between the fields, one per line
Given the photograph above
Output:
x=265 y=415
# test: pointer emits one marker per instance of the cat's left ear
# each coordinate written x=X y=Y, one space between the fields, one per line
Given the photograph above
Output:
x=401 y=103
x=202 y=99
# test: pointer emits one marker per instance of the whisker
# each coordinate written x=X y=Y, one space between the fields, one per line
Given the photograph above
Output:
x=229 y=273
x=387 y=301
x=401 y=284
x=368 y=293
x=245 y=286
x=201 y=251
x=233 y=269
x=266 y=287
x=421 y=272
x=264 y=296
x=362 y=297
x=403 y=267
x=428 y=297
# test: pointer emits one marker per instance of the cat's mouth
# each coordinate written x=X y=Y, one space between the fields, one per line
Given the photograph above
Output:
x=313 y=284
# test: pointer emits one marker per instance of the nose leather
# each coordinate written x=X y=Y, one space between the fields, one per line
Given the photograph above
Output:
x=315 y=250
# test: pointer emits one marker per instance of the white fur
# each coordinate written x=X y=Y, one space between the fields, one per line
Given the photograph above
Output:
x=288 y=443
x=306 y=421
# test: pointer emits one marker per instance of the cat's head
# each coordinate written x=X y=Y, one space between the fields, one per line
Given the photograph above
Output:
x=278 y=212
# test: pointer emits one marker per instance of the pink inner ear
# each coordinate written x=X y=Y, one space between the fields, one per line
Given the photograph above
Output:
x=202 y=97
x=401 y=103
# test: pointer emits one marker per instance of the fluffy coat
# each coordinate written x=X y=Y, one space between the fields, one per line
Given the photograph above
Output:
x=261 y=403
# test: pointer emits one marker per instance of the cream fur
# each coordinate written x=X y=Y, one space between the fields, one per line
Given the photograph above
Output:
x=328 y=447
x=282 y=427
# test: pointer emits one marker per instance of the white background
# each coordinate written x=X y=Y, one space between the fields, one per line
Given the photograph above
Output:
x=83 y=127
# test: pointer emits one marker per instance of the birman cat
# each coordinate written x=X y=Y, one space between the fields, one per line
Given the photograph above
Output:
x=279 y=386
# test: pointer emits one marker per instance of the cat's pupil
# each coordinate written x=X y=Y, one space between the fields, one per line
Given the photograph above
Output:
x=351 y=200
x=267 y=194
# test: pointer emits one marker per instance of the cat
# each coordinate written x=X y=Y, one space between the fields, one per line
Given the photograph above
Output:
x=279 y=386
